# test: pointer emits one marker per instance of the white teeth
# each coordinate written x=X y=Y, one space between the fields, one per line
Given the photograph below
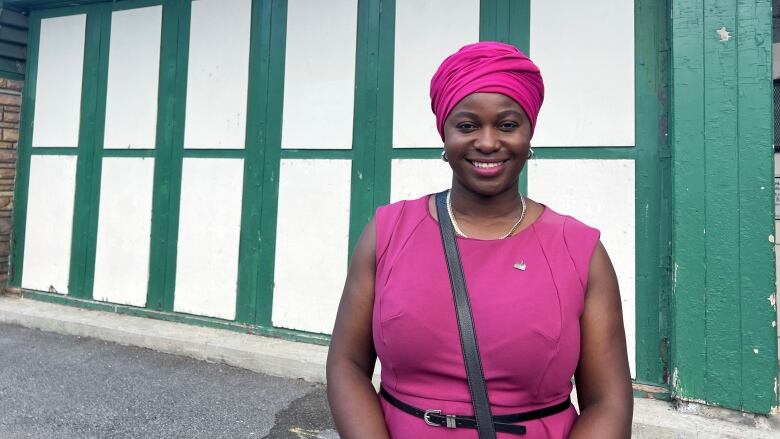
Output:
x=486 y=165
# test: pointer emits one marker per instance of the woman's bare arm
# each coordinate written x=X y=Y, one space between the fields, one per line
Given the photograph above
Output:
x=351 y=358
x=603 y=378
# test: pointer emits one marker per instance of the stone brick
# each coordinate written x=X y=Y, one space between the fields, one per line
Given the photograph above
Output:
x=9 y=99
x=4 y=202
x=15 y=85
x=7 y=172
x=10 y=134
x=11 y=108
x=8 y=155
x=11 y=116
x=5 y=225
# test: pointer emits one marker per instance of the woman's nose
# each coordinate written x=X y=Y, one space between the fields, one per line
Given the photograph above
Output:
x=487 y=141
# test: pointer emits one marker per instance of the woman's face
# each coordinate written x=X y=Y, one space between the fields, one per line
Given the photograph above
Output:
x=487 y=137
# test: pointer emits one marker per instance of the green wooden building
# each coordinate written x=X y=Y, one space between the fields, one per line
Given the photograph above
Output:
x=213 y=161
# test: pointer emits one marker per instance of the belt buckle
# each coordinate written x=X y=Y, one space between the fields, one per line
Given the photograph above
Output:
x=428 y=413
x=450 y=419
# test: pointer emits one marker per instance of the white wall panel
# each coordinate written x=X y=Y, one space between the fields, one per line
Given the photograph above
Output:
x=412 y=178
x=426 y=32
x=218 y=73
x=319 y=80
x=133 y=72
x=585 y=51
x=209 y=231
x=312 y=240
x=58 y=84
x=599 y=193
x=124 y=230
x=49 y=223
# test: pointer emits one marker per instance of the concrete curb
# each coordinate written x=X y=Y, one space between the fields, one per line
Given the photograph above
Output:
x=652 y=419
x=259 y=354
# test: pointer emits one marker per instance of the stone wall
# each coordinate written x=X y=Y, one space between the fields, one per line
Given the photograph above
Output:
x=10 y=104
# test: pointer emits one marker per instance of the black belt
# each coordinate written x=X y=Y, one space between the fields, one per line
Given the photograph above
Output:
x=503 y=423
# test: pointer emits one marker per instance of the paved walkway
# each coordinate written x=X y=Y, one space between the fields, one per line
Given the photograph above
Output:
x=90 y=383
x=62 y=386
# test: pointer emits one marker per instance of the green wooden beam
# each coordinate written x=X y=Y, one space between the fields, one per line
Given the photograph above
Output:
x=653 y=192
x=758 y=343
x=272 y=148
x=249 y=261
x=23 y=163
x=167 y=163
x=724 y=346
x=365 y=117
x=87 y=173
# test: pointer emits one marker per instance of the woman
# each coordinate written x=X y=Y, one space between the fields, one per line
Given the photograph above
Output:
x=543 y=291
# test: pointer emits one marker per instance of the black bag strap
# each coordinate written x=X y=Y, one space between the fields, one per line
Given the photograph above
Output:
x=468 y=336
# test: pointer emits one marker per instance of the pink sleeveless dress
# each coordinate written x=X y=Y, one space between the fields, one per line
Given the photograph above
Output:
x=527 y=321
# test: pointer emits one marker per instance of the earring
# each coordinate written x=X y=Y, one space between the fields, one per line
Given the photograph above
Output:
x=444 y=156
x=530 y=153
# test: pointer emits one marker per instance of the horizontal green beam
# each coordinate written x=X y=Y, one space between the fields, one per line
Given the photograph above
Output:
x=215 y=153
x=125 y=152
x=317 y=153
x=54 y=151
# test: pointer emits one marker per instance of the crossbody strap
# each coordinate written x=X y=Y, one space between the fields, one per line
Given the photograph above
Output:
x=468 y=336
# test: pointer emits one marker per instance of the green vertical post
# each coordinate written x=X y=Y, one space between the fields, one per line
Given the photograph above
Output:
x=365 y=118
x=385 y=89
x=724 y=347
x=167 y=163
x=249 y=246
x=24 y=151
x=272 y=152
x=756 y=208
x=103 y=13
x=721 y=185
x=85 y=205
x=653 y=193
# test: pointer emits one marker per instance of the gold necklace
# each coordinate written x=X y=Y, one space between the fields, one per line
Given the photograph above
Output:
x=460 y=232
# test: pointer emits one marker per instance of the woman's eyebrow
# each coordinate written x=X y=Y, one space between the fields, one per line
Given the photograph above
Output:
x=510 y=113
x=466 y=114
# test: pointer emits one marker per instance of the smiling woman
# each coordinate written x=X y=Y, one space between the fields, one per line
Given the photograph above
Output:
x=540 y=298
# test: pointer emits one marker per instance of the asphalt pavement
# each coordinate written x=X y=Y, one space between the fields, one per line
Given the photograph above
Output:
x=63 y=386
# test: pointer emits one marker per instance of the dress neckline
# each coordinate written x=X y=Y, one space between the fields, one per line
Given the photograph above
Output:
x=426 y=199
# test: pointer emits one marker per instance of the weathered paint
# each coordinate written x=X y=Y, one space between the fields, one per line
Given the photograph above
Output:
x=319 y=80
x=601 y=194
x=218 y=69
x=124 y=227
x=722 y=137
x=209 y=229
x=133 y=78
x=312 y=243
x=60 y=60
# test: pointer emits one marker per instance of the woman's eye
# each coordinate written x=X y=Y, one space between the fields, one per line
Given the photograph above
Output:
x=466 y=126
x=508 y=126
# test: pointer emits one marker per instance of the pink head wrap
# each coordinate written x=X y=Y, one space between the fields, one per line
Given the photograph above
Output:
x=490 y=67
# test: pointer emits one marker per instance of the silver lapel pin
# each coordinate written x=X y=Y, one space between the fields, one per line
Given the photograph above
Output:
x=520 y=265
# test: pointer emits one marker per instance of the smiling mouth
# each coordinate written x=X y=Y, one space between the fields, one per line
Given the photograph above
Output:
x=486 y=165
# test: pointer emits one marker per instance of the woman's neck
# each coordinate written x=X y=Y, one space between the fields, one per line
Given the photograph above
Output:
x=474 y=206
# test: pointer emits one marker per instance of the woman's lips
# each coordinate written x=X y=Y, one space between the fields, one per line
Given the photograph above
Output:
x=487 y=169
